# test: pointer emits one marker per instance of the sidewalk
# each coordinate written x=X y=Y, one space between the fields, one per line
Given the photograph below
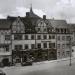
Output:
x=45 y=62
x=39 y=66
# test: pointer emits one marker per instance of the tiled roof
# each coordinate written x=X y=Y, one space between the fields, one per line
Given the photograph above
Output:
x=58 y=23
x=5 y=24
x=29 y=27
x=72 y=26
x=30 y=23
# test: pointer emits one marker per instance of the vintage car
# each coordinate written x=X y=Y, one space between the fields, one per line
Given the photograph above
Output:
x=28 y=62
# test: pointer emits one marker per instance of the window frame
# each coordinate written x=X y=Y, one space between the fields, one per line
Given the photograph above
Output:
x=38 y=37
x=26 y=37
x=44 y=36
x=18 y=36
x=18 y=47
x=26 y=46
x=32 y=46
x=44 y=45
x=7 y=37
x=38 y=45
x=32 y=37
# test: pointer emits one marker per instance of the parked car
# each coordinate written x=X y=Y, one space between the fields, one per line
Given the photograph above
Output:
x=29 y=62
x=1 y=64
x=2 y=73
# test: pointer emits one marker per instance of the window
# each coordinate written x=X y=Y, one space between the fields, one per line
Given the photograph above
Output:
x=67 y=45
x=64 y=30
x=68 y=38
x=39 y=29
x=32 y=46
x=45 y=45
x=63 y=53
x=53 y=37
x=7 y=48
x=17 y=37
x=61 y=30
x=68 y=53
x=58 y=38
x=57 y=30
x=50 y=46
x=58 y=53
x=53 y=45
x=39 y=37
x=45 y=29
x=18 y=28
x=63 y=37
x=58 y=46
x=45 y=36
x=41 y=22
x=14 y=28
x=32 y=37
x=49 y=30
x=26 y=37
x=2 y=46
x=67 y=30
x=7 y=37
x=63 y=46
x=39 y=45
x=18 y=47
x=26 y=46
x=49 y=36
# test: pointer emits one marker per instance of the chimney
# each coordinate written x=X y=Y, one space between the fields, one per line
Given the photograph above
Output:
x=44 y=17
x=18 y=16
x=8 y=17
x=27 y=14
x=53 y=18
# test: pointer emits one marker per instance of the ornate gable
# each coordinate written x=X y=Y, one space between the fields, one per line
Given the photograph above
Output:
x=18 y=26
x=43 y=26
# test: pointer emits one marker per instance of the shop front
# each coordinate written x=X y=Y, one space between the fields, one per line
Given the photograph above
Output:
x=36 y=55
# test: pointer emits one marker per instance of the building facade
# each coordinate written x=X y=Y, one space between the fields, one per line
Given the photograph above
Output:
x=5 y=42
x=39 y=44
x=22 y=38
x=64 y=37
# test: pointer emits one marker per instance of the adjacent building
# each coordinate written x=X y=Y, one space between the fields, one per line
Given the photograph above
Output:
x=64 y=37
x=5 y=41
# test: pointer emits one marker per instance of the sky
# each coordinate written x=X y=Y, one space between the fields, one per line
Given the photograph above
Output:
x=58 y=9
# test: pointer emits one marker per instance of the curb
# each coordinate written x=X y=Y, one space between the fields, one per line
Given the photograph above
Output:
x=59 y=60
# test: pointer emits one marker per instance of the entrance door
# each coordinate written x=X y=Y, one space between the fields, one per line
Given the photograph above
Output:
x=52 y=55
x=24 y=58
x=18 y=60
x=5 y=62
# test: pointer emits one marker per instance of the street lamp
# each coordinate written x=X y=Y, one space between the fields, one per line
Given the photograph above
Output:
x=70 y=51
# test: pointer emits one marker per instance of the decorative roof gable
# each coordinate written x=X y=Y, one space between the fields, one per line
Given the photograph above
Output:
x=18 y=26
